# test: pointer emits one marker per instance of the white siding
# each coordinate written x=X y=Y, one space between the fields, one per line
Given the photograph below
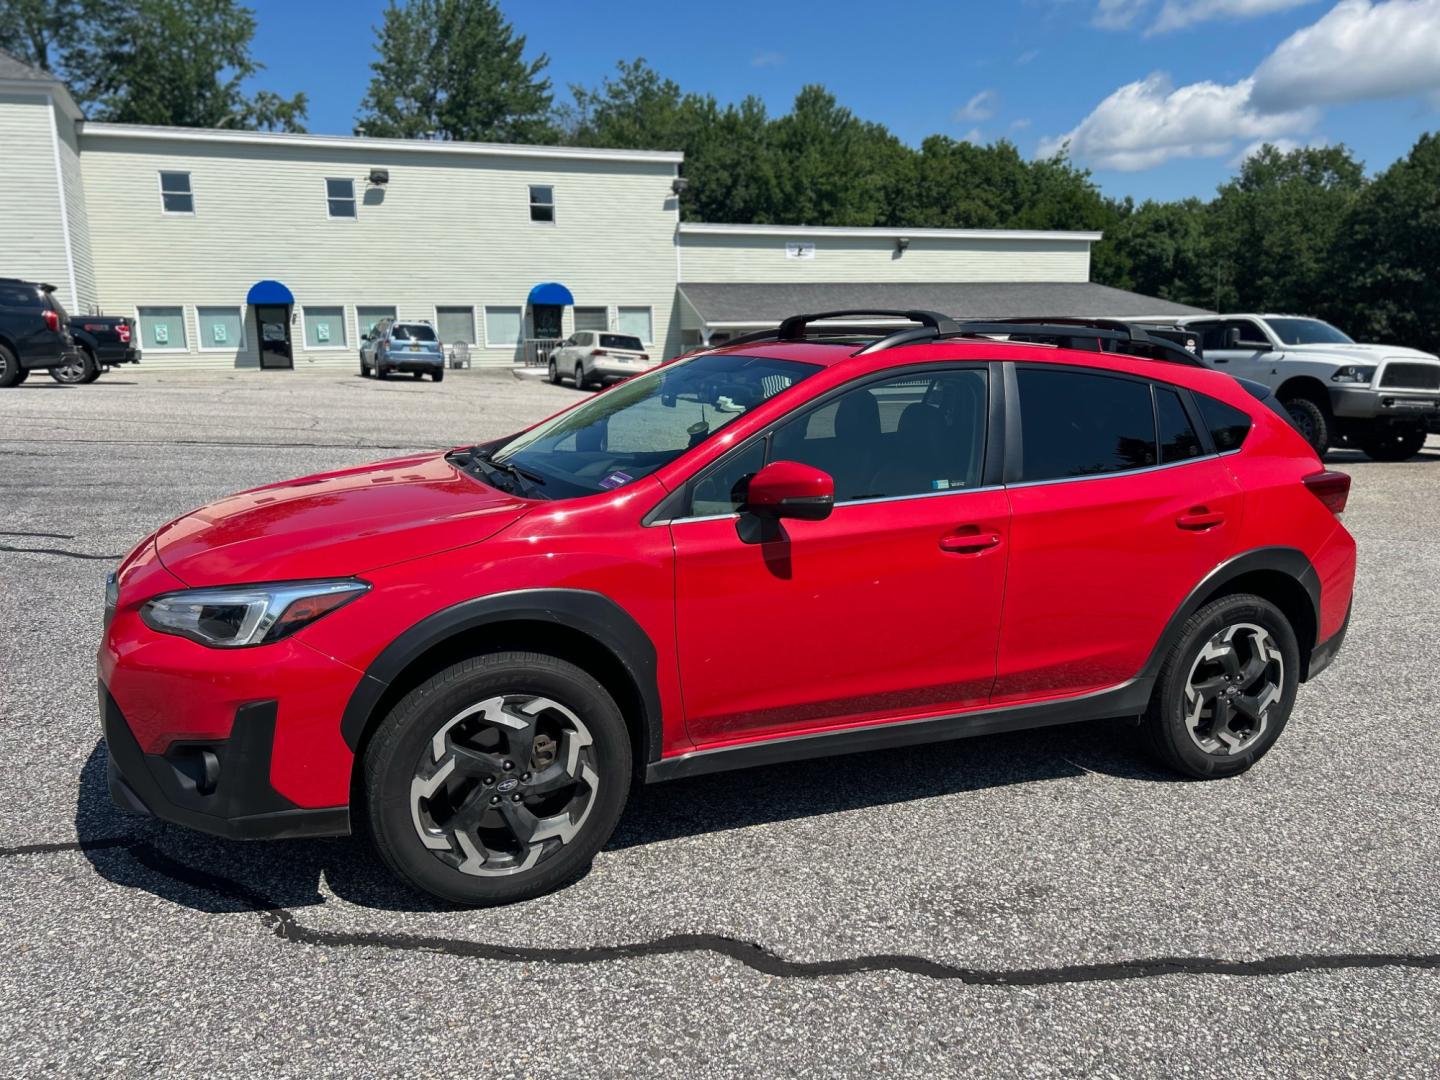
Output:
x=32 y=236
x=724 y=258
x=75 y=208
x=448 y=230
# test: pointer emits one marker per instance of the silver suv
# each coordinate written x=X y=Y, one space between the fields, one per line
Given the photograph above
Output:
x=1381 y=399
x=591 y=357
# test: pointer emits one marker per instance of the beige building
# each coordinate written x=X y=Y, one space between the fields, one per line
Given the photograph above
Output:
x=237 y=249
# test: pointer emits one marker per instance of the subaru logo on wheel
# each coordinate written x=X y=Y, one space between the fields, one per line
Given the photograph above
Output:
x=508 y=784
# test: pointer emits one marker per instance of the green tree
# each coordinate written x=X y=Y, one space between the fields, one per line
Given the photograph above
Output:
x=1158 y=248
x=455 y=69
x=36 y=31
x=167 y=62
x=1386 y=253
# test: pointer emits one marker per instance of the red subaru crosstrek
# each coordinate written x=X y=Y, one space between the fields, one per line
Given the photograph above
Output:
x=812 y=541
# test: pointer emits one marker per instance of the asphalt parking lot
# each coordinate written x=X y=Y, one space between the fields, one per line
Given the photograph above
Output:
x=1043 y=904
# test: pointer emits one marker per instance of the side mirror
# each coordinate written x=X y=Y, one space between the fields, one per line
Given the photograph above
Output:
x=788 y=489
x=1232 y=338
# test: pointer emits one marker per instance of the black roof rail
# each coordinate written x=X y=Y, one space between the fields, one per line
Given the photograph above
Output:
x=793 y=328
x=1068 y=333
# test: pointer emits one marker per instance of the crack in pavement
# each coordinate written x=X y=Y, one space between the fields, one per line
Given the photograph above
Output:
x=60 y=551
x=45 y=535
x=287 y=927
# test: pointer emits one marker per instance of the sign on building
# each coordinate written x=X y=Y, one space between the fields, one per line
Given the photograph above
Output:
x=800 y=249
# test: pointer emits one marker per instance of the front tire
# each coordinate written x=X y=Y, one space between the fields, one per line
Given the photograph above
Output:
x=1225 y=689
x=554 y=372
x=1312 y=422
x=580 y=383
x=498 y=779
x=1394 y=444
x=83 y=369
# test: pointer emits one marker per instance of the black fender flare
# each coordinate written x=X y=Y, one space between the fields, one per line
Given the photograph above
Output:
x=1286 y=560
x=596 y=616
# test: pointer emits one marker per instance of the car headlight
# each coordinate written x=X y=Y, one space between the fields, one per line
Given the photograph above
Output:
x=247 y=614
x=1354 y=373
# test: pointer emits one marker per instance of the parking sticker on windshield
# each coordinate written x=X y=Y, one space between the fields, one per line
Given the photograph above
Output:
x=616 y=479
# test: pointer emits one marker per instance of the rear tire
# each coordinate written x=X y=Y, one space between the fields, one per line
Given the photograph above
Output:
x=529 y=744
x=1394 y=444
x=83 y=369
x=11 y=374
x=1225 y=689
x=1312 y=421
x=439 y=375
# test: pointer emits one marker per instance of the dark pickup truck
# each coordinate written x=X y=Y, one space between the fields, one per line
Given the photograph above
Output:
x=34 y=331
x=101 y=342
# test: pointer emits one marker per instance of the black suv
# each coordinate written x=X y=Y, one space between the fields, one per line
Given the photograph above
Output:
x=34 y=330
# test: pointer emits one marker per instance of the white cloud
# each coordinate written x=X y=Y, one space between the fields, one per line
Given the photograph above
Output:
x=1357 y=51
x=767 y=59
x=1178 y=14
x=1026 y=56
x=980 y=107
x=1020 y=123
x=1118 y=14
x=974 y=135
x=1145 y=123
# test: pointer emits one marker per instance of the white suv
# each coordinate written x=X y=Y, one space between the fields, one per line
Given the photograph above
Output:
x=590 y=357
x=1381 y=399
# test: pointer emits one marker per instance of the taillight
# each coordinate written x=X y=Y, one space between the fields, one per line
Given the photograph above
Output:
x=122 y=330
x=598 y=352
x=52 y=319
x=1331 y=488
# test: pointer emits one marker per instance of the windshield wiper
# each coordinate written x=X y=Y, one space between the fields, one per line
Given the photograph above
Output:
x=519 y=475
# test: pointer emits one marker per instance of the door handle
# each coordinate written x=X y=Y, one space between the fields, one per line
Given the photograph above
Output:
x=1199 y=519
x=969 y=542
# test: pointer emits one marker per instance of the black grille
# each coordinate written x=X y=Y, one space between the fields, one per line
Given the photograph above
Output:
x=1412 y=376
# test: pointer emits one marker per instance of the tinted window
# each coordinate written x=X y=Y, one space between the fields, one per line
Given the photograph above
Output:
x=912 y=435
x=26 y=296
x=1228 y=425
x=1178 y=440
x=412 y=332
x=1076 y=424
x=621 y=341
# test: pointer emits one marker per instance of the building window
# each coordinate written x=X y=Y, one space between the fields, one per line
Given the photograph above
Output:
x=175 y=194
x=367 y=317
x=221 y=328
x=341 y=196
x=542 y=202
x=592 y=318
x=324 y=327
x=502 y=326
x=162 y=328
x=637 y=322
x=455 y=324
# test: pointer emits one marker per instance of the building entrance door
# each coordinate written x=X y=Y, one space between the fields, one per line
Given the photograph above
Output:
x=272 y=324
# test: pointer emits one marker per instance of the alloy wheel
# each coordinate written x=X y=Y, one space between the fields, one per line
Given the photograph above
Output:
x=71 y=371
x=1233 y=683
x=504 y=784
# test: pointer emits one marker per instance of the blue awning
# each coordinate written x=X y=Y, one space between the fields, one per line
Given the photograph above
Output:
x=269 y=292
x=551 y=292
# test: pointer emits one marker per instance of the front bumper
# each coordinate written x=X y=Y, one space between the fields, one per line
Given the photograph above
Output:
x=1368 y=403
x=219 y=786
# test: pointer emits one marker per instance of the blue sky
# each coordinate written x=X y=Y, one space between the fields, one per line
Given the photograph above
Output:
x=1159 y=97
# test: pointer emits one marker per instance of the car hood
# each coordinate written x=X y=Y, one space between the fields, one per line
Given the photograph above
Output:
x=1360 y=354
x=336 y=524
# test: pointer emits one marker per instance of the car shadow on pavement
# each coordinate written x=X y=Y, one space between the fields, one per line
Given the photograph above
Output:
x=213 y=875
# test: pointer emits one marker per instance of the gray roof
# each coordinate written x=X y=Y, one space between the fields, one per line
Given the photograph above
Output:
x=16 y=70
x=734 y=304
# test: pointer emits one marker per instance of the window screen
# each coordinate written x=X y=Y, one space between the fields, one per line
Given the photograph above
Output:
x=636 y=322
x=455 y=324
x=324 y=327
x=175 y=194
x=221 y=328
x=1077 y=424
x=1178 y=440
x=340 y=195
x=367 y=317
x=502 y=325
x=1228 y=425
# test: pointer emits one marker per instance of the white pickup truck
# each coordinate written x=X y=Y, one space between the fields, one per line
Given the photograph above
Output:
x=1380 y=399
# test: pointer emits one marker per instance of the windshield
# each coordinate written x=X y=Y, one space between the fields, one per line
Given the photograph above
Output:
x=621 y=341
x=1308 y=332
x=406 y=332
x=647 y=422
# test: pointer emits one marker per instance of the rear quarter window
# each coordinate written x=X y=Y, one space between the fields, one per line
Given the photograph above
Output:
x=1228 y=425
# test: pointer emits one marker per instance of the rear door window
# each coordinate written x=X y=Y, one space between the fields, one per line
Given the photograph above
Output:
x=1075 y=423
